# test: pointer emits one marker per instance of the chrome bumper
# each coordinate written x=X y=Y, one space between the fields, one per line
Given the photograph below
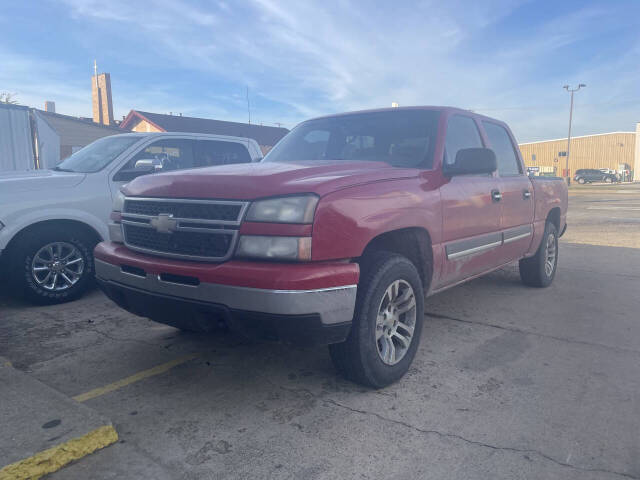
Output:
x=334 y=305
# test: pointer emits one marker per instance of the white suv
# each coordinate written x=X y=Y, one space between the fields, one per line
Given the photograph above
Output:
x=50 y=220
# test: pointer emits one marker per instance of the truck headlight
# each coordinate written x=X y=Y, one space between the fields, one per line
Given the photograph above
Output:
x=115 y=227
x=275 y=248
x=295 y=209
x=118 y=202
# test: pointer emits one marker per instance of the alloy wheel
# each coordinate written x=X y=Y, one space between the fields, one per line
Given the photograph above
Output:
x=395 y=322
x=550 y=255
x=57 y=266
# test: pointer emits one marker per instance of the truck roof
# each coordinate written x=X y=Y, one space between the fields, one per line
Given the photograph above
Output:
x=169 y=134
x=443 y=109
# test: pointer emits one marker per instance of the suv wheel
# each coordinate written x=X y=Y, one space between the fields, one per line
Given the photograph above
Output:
x=608 y=180
x=387 y=322
x=52 y=265
x=539 y=270
x=581 y=181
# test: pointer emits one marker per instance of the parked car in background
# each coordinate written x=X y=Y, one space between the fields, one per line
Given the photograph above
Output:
x=589 y=175
x=337 y=235
x=50 y=220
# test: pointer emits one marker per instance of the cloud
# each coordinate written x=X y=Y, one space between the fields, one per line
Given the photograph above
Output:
x=302 y=59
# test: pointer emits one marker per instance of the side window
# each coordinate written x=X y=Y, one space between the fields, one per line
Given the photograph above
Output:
x=164 y=155
x=508 y=163
x=462 y=132
x=212 y=152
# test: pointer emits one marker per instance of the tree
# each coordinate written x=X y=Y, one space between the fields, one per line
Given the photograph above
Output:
x=6 y=97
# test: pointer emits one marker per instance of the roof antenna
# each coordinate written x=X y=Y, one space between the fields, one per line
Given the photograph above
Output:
x=248 y=105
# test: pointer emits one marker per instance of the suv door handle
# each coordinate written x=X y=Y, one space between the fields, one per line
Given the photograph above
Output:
x=496 y=196
x=526 y=194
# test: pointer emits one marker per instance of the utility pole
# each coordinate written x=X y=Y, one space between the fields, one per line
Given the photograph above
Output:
x=571 y=91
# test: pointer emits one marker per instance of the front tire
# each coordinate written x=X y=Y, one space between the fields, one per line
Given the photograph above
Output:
x=608 y=180
x=387 y=322
x=540 y=270
x=581 y=181
x=52 y=265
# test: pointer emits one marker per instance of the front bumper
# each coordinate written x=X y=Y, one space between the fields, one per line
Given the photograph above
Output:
x=305 y=316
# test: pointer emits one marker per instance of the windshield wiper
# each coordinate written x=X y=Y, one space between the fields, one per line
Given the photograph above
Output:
x=58 y=169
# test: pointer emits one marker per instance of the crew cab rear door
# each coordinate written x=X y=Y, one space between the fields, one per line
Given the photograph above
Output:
x=516 y=192
x=470 y=211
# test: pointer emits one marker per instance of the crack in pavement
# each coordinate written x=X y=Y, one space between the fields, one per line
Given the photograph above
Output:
x=527 y=332
x=481 y=444
x=458 y=437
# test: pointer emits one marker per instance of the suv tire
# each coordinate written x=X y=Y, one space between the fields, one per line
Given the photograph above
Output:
x=581 y=181
x=540 y=270
x=387 y=322
x=52 y=265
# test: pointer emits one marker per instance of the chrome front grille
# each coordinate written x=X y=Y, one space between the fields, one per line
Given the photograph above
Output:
x=205 y=230
x=227 y=212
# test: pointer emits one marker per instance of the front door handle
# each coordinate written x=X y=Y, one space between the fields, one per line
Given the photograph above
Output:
x=496 y=196
x=526 y=194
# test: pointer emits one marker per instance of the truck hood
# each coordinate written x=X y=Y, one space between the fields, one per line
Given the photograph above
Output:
x=255 y=180
x=37 y=180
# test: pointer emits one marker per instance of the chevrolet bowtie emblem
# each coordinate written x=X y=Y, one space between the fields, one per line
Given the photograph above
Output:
x=164 y=223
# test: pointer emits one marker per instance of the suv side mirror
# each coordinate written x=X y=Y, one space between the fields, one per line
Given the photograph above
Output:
x=472 y=161
x=148 y=164
x=128 y=174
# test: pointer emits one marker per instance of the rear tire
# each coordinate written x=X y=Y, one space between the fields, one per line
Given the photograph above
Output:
x=51 y=265
x=387 y=322
x=540 y=270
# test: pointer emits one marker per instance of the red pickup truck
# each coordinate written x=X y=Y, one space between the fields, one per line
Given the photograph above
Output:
x=337 y=236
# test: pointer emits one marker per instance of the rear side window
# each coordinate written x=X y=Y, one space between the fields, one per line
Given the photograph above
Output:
x=501 y=144
x=211 y=152
x=462 y=132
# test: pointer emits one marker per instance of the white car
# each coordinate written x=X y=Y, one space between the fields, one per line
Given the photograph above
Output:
x=50 y=220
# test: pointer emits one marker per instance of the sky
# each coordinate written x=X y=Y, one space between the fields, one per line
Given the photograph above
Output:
x=507 y=59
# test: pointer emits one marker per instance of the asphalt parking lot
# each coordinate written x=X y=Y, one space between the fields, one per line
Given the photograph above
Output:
x=509 y=382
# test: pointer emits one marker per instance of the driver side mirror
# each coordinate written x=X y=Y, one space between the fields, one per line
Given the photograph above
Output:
x=148 y=164
x=144 y=166
x=472 y=161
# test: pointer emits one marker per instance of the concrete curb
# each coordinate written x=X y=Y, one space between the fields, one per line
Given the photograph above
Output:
x=42 y=429
x=57 y=457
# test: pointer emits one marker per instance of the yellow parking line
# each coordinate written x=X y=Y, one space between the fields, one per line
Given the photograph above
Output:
x=96 y=392
x=55 y=458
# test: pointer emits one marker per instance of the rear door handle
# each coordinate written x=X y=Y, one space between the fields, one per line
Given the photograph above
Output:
x=496 y=196
x=526 y=194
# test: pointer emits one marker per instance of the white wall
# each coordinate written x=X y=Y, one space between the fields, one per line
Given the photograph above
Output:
x=48 y=143
x=16 y=151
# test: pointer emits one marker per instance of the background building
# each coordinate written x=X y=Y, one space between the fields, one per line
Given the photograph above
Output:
x=101 y=100
x=266 y=136
x=614 y=151
x=58 y=136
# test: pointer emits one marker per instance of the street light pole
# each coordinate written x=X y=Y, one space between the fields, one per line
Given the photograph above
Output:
x=572 y=91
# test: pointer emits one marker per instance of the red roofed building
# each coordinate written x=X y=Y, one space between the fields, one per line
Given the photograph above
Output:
x=139 y=121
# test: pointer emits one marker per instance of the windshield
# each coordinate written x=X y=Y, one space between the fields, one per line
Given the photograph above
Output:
x=402 y=138
x=97 y=155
